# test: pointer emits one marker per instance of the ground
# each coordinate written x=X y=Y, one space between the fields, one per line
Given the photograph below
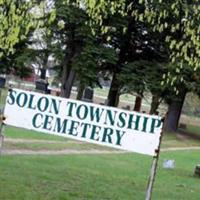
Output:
x=28 y=145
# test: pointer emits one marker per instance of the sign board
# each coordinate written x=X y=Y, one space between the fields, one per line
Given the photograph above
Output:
x=127 y=130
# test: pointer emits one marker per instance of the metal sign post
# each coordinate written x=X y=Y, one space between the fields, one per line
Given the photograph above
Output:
x=2 y=118
x=153 y=171
x=1 y=121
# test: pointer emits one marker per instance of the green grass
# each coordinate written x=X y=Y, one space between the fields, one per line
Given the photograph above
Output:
x=12 y=132
x=180 y=182
x=173 y=140
x=179 y=143
x=61 y=143
x=169 y=140
x=34 y=146
x=41 y=146
x=92 y=177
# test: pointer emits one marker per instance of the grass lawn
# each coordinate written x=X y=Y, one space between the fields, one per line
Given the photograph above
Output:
x=169 y=140
x=172 y=140
x=39 y=146
x=96 y=177
x=12 y=132
x=93 y=177
x=42 y=141
x=180 y=182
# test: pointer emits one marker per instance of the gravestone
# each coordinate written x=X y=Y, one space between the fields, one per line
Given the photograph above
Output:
x=169 y=164
x=197 y=170
x=41 y=85
x=182 y=126
x=88 y=94
x=127 y=107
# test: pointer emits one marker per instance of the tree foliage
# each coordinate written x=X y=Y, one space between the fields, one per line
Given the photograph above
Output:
x=15 y=22
x=19 y=62
x=180 y=18
x=17 y=19
x=75 y=47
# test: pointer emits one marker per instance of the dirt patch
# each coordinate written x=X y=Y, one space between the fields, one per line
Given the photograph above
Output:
x=91 y=151
x=60 y=152
x=7 y=151
x=19 y=140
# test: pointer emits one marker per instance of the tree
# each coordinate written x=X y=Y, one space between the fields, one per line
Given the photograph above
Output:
x=42 y=38
x=180 y=19
x=174 y=16
x=135 y=43
x=19 y=62
x=16 y=19
x=70 y=34
x=188 y=82
x=80 y=53
x=92 y=61
x=142 y=77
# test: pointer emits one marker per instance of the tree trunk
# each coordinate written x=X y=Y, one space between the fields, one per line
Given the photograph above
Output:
x=67 y=86
x=43 y=73
x=114 y=92
x=113 y=95
x=68 y=74
x=81 y=89
x=117 y=100
x=66 y=69
x=154 y=104
x=174 y=112
x=138 y=104
x=44 y=67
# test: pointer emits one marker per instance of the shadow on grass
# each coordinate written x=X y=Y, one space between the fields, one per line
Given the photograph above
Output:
x=189 y=133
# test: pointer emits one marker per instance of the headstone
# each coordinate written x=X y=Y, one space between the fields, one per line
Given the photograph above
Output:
x=41 y=85
x=197 y=170
x=2 y=82
x=48 y=91
x=127 y=107
x=169 y=164
x=88 y=95
x=182 y=126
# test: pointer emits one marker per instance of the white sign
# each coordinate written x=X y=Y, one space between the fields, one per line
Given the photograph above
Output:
x=83 y=121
